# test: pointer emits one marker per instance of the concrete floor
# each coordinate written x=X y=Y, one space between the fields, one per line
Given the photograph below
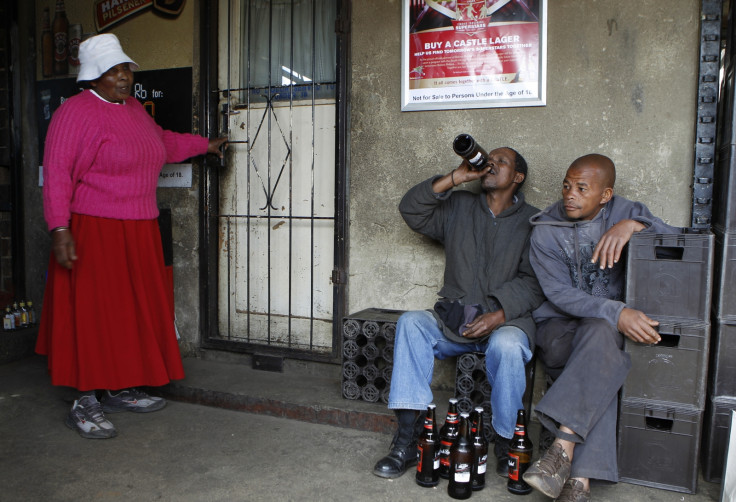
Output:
x=192 y=452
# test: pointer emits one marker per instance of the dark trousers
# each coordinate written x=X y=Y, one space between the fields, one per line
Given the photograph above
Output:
x=586 y=359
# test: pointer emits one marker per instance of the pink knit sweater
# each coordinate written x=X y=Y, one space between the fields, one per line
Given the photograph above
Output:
x=103 y=159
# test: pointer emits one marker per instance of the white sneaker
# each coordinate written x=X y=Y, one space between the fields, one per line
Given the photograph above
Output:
x=87 y=419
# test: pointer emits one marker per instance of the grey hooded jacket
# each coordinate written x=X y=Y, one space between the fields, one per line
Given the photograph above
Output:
x=486 y=258
x=561 y=252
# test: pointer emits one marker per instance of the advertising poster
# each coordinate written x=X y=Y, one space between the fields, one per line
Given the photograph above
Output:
x=473 y=54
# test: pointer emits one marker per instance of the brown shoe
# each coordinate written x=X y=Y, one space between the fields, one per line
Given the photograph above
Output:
x=549 y=473
x=573 y=491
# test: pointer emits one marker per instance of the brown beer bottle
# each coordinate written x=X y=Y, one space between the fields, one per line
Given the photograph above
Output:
x=466 y=147
x=47 y=45
x=461 y=462
x=480 y=451
x=448 y=436
x=428 y=451
x=520 y=456
x=60 y=29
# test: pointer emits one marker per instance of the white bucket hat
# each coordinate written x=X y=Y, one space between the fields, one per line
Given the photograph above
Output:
x=100 y=53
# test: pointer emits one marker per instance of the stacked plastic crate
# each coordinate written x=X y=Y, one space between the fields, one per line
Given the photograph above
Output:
x=367 y=354
x=721 y=395
x=472 y=388
x=669 y=278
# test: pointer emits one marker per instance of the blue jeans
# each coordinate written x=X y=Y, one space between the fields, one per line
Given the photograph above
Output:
x=419 y=340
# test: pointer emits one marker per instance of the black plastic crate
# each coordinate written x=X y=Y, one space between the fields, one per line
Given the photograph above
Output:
x=658 y=445
x=472 y=388
x=674 y=370
x=671 y=275
x=724 y=276
x=367 y=354
x=722 y=375
x=724 y=190
x=715 y=436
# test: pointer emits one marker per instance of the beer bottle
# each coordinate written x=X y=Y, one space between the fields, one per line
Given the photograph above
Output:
x=448 y=435
x=461 y=462
x=60 y=29
x=31 y=313
x=8 y=320
x=16 y=314
x=23 y=315
x=520 y=456
x=480 y=451
x=466 y=147
x=428 y=451
x=47 y=45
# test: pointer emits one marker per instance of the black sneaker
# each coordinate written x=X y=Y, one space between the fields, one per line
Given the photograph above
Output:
x=501 y=449
x=131 y=400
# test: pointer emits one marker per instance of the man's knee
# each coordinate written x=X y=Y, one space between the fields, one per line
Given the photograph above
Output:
x=600 y=332
x=508 y=342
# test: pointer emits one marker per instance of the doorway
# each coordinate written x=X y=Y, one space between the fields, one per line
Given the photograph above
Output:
x=276 y=247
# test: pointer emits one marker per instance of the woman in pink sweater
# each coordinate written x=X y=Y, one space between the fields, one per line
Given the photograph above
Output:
x=107 y=322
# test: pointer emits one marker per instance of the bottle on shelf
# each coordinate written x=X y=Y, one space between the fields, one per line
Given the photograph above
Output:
x=16 y=314
x=8 y=320
x=47 y=45
x=31 y=313
x=60 y=30
x=23 y=314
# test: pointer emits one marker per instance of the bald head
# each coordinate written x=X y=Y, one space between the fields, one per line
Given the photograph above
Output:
x=601 y=164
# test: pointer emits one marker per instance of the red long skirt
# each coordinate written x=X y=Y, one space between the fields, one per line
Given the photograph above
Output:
x=109 y=322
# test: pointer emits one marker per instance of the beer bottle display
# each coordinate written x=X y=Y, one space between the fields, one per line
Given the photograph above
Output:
x=461 y=462
x=428 y=451
x=480 y=451
x=466 y=147
x=60 y=29
x=448 y=435
x=520 y=457
x=47 y=45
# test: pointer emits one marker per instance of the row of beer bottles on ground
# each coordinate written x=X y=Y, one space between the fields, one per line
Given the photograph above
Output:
x=459 y=453
x=19 y=316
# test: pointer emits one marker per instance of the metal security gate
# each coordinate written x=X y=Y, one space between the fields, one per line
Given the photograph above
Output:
x=276 y=208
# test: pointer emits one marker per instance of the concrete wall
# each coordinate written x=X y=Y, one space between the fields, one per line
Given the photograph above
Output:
x=622 y=81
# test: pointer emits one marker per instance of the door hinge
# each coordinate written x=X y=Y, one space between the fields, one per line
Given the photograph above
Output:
x=338 y=276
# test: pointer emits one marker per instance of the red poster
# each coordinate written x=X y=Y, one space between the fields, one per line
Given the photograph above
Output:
x=473 y=54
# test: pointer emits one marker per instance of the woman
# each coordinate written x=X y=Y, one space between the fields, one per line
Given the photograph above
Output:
x=107 y=324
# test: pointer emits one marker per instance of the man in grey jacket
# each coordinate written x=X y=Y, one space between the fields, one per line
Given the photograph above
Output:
x=576 y=246
x=488 y=281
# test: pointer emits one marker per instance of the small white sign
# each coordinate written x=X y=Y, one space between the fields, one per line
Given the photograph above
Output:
x=175 y=176
x=171 y=176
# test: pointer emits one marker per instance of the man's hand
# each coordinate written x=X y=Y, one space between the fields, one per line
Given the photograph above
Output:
x=638 y=327
x=62 y=243
x=461 y=174
x=609 y=248
x=484 y=324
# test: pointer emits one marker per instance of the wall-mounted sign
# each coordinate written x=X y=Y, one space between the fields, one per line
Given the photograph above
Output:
x=165 y=94
x=110 y=12
x=473 y=54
